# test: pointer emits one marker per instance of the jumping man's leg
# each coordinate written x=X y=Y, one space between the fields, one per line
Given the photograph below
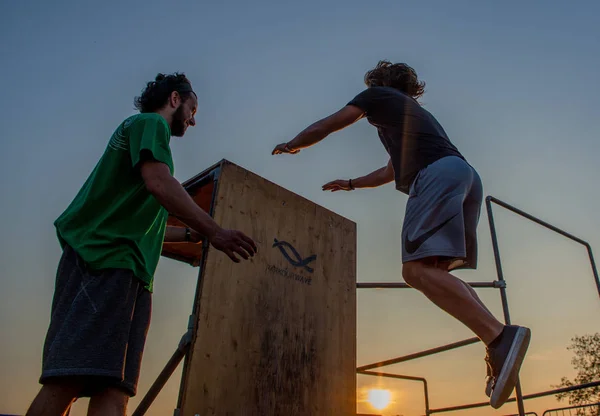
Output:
x=441 y=219
x=506 y=345
x=453 y=296
x=474 y=294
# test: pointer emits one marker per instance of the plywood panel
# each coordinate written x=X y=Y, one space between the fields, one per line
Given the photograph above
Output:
x=275 y=335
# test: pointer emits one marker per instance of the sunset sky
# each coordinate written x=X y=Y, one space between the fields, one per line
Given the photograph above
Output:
x=515 y=85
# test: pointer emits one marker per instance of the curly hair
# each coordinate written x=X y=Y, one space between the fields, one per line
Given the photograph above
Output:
x=157 y=92
x=399 y=76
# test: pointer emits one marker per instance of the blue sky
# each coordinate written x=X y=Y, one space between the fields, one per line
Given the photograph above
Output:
x=514 y=84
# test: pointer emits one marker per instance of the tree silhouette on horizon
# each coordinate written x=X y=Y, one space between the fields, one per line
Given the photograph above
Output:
x=586 y=361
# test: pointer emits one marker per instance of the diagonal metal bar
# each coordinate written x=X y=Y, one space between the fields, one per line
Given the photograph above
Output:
x=391 y=375
x=419 y=354
x=163 y=377
x=512 y=399
x=538 y=221
x=388 y=285
x=534 y=219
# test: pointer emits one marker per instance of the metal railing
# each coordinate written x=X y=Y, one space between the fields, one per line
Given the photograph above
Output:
x=182 y=351
x=500 y=284
x=577 y=409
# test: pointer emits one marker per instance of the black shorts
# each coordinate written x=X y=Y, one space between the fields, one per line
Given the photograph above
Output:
x=98 y=327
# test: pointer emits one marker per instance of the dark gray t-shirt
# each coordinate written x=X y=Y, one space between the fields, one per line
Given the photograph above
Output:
x=411 y=135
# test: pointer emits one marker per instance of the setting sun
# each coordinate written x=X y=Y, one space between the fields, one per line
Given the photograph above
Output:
x=379 y=399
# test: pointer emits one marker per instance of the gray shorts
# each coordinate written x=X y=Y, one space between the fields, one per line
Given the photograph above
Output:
x=98 y=327
x=442 y=214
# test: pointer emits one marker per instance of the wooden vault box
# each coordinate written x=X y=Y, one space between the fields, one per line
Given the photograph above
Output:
x=275 y=335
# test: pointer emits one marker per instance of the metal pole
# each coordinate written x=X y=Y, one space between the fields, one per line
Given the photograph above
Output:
x=550 y=227
x=164 y=375
x=419 y=354
x=569 y=408
x=427 y=412
x=497 y=260
x=389 y=285
x=503 y=295
x=534 y=219
x=512 y=399
x=402 y=377
x=594 y=270
x=390 y=375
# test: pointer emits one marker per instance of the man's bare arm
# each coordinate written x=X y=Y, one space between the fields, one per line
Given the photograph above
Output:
x=175 y=234
x=173 y=197
x=321 y=129
x=374 y=179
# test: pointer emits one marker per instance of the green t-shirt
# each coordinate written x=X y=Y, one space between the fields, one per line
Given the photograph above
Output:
x=114 y=222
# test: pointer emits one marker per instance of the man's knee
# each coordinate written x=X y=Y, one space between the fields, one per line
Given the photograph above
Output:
x=416 y=271
x=412 y=272
x=109 y=400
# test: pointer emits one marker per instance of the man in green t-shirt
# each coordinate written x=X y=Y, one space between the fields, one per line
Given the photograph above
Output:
x=112 y=235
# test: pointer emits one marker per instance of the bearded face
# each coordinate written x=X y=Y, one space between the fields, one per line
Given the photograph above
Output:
x=184 y=116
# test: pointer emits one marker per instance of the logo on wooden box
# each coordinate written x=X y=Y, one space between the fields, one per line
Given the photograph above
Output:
x=292 y=256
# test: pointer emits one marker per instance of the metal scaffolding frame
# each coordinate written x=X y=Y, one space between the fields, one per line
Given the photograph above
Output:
x=497 y=284
x=526 y=414
x=181 y=354
x=554 y=412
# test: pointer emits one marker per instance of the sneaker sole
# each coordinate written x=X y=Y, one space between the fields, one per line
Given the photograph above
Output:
x=507 y=379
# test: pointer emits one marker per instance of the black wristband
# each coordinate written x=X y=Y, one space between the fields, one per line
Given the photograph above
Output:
x=350 y=184
x=188 y=234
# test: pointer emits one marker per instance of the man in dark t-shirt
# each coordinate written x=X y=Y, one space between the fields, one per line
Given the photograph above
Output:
x=445 y=195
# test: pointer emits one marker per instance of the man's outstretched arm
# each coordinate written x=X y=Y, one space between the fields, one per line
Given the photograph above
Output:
x=374 y=179
x=171 y=195
x=321 y=129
